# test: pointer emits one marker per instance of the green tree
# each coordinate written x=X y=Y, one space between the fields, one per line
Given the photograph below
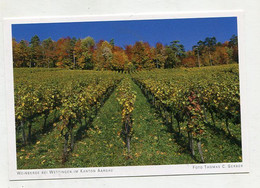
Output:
x=175 y=52
x=35 y=52
x=48 y=52
x=233 y=45
x=87 y=46
x=88 y=43
x=233 y=41
x=112 y=42
x=210 y=44
x=198 y=49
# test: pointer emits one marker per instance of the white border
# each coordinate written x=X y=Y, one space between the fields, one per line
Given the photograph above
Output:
x=129 y=170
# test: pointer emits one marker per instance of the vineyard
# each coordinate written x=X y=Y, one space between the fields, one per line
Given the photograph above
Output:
x=87 y=118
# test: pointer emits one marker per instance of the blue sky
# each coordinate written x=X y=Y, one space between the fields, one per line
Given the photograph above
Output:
x=187 y=31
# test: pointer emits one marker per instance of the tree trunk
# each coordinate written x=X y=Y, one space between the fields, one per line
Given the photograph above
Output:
x=213 y=119
x=200 y=151
x=45 y=122
x=65 y=149
x=191 y=143
x=128 y=143
x=127 y=131
x=23 y=133
x=29 y=131
x=179 y=127
x=72 y=140
x=228 y=127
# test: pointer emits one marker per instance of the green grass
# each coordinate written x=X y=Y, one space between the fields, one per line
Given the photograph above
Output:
x=103 y=144
x=45 y=153
x=152 y=144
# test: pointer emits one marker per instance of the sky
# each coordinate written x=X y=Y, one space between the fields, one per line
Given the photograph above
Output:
x=188 y=31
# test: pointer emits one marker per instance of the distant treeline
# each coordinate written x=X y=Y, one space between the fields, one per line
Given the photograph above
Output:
x=105 y=55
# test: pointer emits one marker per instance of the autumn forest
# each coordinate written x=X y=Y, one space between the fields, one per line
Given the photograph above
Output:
x=72 y=53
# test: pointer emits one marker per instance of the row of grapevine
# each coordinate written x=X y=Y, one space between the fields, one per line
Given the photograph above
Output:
x=126 y=98
x=75 y=95
x=190 y=95
x=81 y=103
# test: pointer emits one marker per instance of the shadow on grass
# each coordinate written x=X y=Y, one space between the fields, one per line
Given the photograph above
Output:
x=36 y=135
x=48 y=128
x=81 y=132
x=181 y=140
x=220 y=132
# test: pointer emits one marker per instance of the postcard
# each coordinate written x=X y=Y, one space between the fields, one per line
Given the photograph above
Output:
x=126 y=95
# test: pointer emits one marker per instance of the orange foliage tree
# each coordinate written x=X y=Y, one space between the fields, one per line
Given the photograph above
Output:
x=87 y=54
